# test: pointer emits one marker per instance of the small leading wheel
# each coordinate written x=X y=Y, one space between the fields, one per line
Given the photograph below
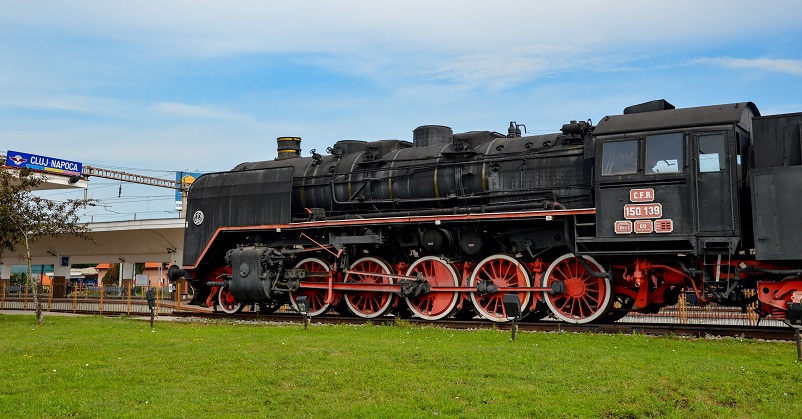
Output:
x=228 y=303
x=437 y=273
x=368 y=304
x=502 y=271
x=315 y=297
x=586 y=298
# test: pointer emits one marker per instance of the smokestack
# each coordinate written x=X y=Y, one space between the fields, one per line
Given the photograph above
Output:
x=288 y=147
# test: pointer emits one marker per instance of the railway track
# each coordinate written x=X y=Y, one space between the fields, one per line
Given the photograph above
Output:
x=706 y=330
x=662 y=328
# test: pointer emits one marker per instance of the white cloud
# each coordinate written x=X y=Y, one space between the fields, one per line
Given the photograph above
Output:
x=203 y=112
x=454 y=27
x=67 y=103
x=504 y=70
x=467 y=42
x=792 y=67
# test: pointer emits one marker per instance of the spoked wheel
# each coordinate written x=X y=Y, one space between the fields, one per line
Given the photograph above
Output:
x=368 y=304
x=437 y=273
x=316 y=298
x=501 y=271
x=586 y=298
x=622 y=304
x=228 y=303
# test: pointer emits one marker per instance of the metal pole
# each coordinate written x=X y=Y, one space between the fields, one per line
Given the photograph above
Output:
x=513 y=329
x=102 y=291
x=152 y=315
x=798 y=343
x=183 y=211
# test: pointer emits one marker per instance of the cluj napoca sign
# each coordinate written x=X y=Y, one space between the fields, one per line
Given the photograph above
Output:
x=47 y=164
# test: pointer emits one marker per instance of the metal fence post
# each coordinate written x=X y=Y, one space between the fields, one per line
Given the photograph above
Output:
x=3 y=297
x=178 y=296
x=74 y=299
x=683 y=308
x=752 y=309
x=129 y=299
x=102 y=291
x=158 y=300
x=25 y=300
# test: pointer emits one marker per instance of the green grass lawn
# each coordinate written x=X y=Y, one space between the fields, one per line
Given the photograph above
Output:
x=109 y=367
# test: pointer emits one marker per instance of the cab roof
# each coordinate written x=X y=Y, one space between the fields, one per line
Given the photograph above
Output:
x=733 y=113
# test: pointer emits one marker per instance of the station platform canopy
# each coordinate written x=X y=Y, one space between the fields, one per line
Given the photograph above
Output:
x=155 y=240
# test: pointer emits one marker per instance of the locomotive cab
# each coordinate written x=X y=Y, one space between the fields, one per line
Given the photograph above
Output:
x=669 y=180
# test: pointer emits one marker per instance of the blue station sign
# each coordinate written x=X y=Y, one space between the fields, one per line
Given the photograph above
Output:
x=187 y=178
x=43 y=163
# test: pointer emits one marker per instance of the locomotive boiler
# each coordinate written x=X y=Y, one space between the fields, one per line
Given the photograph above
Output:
x=584 y=225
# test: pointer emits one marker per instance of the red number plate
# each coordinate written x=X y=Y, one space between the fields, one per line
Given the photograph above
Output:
x=641 y=195
x=623 y=227
x=644 y=226
x=664 y=226
x=638 y=211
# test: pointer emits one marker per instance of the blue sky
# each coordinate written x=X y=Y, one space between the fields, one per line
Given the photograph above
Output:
x=155 y=87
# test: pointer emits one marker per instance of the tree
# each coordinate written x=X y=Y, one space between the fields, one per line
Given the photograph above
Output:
x=112 y=275
x=25 y=218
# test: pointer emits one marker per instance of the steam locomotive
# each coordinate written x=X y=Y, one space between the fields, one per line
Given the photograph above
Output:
x=584 y=225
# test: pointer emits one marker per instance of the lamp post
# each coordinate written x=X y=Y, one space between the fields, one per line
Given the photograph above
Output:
x=512 y=308
x=795 y=321
x=151 y=296
x=302 y=303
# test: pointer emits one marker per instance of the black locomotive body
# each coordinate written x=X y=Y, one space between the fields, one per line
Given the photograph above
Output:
x=584 y=225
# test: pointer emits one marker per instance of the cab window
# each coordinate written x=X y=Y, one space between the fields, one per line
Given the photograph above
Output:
x=664 y=153
x=620 y=157
x=712 y=153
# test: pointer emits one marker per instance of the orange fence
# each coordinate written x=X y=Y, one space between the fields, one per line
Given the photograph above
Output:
x=102 y=299
x=131 y=300
x=688 y=311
